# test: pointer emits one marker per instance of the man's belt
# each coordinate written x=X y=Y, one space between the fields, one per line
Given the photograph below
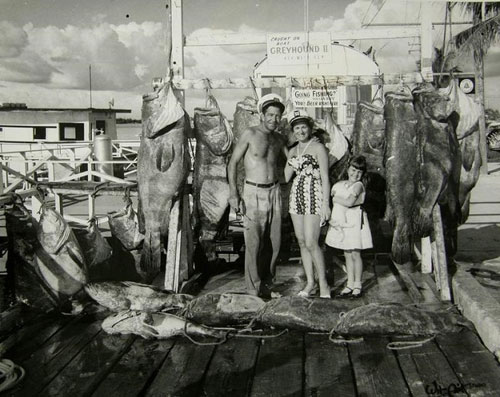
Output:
x=264 y=185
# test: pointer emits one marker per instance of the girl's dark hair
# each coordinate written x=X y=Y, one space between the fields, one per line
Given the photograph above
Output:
x=358 y=162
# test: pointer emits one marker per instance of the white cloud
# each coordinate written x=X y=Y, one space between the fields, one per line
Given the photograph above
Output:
x=13 y=41
x=122 y=56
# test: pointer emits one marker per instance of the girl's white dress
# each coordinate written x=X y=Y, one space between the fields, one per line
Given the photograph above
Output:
x=349 y=228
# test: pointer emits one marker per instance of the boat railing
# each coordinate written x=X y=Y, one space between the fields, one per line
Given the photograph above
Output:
x=62 y=168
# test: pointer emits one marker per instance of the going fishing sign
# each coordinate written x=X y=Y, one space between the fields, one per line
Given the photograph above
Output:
x=318 y=98
x=299 y=48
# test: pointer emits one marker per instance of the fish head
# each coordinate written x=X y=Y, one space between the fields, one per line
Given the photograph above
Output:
x=435 y=104
x=51 y=222
x=103 y=291
x=125 y=322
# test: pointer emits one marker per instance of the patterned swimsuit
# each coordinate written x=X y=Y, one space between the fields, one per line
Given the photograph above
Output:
x=306 y=193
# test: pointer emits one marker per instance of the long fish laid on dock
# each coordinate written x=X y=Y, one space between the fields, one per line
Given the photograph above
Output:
x=59 y=257
x=127 y=295
x=397 y=319
x=223 y=309
x=214 y=139
x=305 y=314
x=156 y=325
x=162 y=168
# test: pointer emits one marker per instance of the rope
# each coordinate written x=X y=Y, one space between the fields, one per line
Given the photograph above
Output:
x=219 y=342
x=401 y=345
x=240 y=335
x=10 y=374
x=341 y=340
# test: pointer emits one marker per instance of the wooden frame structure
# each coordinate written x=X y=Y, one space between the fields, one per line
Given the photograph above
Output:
x=433 y=253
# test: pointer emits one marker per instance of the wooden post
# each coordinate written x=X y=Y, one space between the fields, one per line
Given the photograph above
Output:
x=426 y=260
x=90 y=196
x=1 y=177
x=186 y=260
x=58 y=203
x=426 y=47
x=173 y=249
x=177 y=57
x=439 y=256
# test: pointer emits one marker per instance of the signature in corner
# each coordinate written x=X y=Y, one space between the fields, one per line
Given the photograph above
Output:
x=453 y=388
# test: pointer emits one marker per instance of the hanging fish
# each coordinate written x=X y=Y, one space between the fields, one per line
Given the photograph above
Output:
x=59 y=257
x=29 y=286
x=95 y=247
x=127 y=295
x=210 y=184
x=368 y=136
x=438 y=160
x=124 y=225
x=156 y=325
x=245 y=116
x=162 y=169
x=400 y=170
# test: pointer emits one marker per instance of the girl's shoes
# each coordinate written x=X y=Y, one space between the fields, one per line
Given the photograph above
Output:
x=356 y=292
x=346 y=292
x=303 y=294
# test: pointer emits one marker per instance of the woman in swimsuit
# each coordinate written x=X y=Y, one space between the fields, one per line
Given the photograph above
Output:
x=309 y=199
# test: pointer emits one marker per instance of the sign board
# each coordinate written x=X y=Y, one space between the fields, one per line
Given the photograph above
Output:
x=305 y=98
x=467 y=84
x=300 y=48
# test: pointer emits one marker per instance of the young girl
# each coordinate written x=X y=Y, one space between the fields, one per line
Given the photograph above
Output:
x=349 y=229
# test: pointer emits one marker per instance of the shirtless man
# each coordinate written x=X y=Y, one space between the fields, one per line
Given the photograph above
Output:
x=260 y=148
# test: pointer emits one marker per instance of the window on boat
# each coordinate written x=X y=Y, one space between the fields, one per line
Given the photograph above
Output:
x=100 y=125
x=40 y=133
x=71 y=132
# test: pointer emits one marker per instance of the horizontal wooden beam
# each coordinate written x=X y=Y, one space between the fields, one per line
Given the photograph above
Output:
x=299 y=82
x=260 y=38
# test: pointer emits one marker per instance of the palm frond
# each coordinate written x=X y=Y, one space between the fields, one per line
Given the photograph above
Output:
x=479 y=36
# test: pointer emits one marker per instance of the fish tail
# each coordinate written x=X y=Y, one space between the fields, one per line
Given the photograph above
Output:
x=422 y=222
x=401 y=245
x=151 y=251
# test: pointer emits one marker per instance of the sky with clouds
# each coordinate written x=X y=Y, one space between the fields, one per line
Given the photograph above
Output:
x=46 y=46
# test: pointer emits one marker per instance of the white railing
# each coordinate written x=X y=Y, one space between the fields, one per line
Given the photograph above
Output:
x=61 y=168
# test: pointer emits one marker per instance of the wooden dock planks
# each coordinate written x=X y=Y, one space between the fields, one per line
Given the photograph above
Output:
x=232 y=368
x=90 y=366
x=73 y=356
x=475 y=366
x=138 y=366
x=181 y=374
x=279 y=367
x=327 y=368
x=376 y=370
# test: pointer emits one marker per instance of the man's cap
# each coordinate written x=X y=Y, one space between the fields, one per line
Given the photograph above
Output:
x=270 y=99
x=300 y=115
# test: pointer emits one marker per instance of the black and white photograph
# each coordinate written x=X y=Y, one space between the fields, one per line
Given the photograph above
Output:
x=251 y=198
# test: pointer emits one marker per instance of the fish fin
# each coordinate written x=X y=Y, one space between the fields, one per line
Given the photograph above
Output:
x=164 y=158
x=77 y=258
x=151 y=251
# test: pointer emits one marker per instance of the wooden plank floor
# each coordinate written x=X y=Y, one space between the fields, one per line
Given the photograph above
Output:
x=72 y=356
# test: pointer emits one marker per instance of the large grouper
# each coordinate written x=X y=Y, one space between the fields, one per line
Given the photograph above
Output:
x=128 y=295
x=162 y=168
x=214 y=139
